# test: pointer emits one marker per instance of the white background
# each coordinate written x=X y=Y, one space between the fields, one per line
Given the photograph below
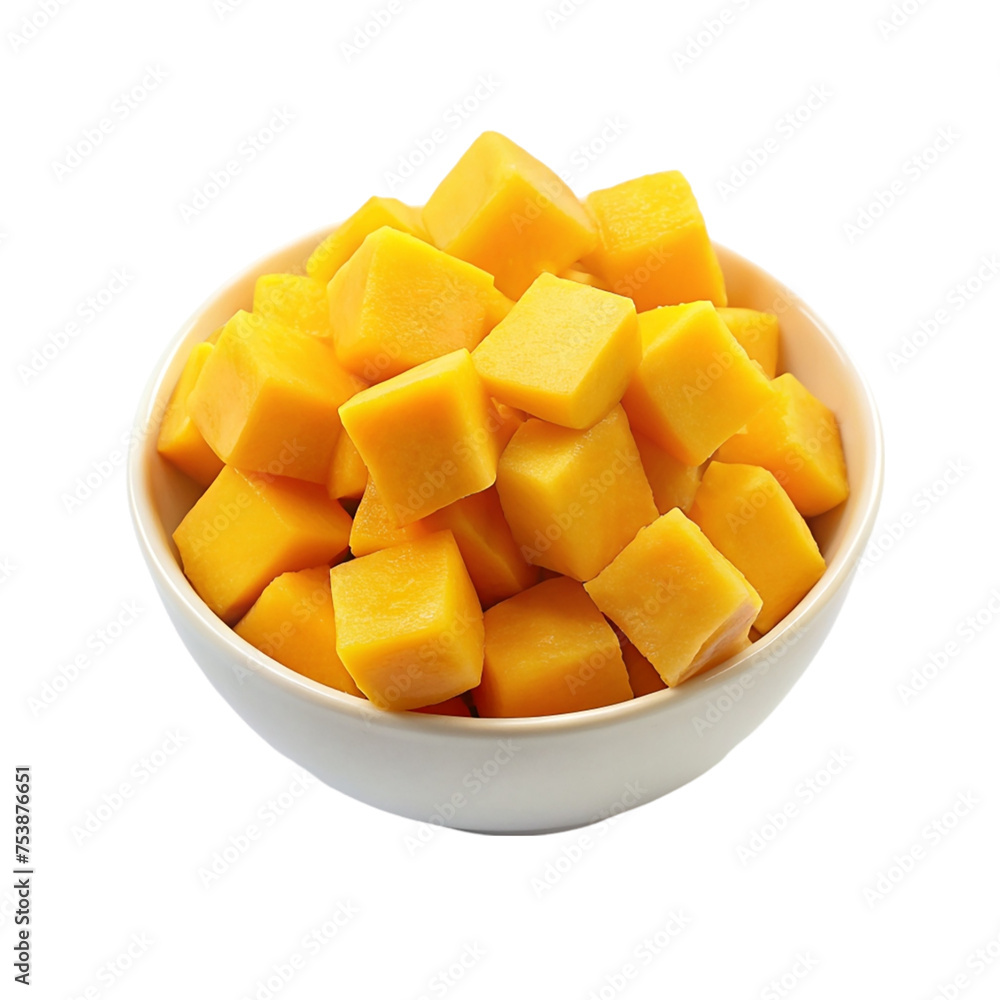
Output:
x=554 y=86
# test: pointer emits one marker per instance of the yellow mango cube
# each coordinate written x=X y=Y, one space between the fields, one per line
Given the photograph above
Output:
x=246 y=529
x=673 y=483
x=574 y=499
x=399 y=302
x=425 y=436
x=502 y=210
x=758 y=333
x=653 y=245
x=795 y=437
x=682 y=604
x=374 y=527
x=348 y=475
x=549 y=651
x=564 y=353
x=327 y=259
x=642 y=675
x=409 y=625
x=584 y=277
x=267 y=399
x=180 y=442
x=292 y=622
x=294 y=300
x=749 y=518
x=695 y=386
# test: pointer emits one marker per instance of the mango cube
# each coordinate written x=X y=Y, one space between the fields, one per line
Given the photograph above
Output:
x=246 y=529
x=695 y=386
x=653 y=245
x=348 y=475
x=682 y=604
x=374 y=527
x=328 y=258
x=180 y=442
x=409 y=625
x=758 y=333
x=293 y=300
x=673 y=483
x=564 y=353
x=425 y=436
x=749 y=518
x=577 y=273
x=502 y=210
x=574 y=499
x=453 y=706
x=797 y=438
x=399 y=302
x=267 y=399
x=642 y=675
x=292 y=622
x=549 y=651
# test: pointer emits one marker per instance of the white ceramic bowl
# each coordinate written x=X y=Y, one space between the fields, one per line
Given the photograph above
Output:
x=516 y=775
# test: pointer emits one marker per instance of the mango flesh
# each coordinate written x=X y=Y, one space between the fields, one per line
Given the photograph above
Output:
x=549 y=651
x=564 y=353
x=574 y=499
x=348 y=475
x=180 y=441
x=653 y=245
x=374 y=528
x=749 y=518
x=502 y=210
x=642 y=675
x=267 y=399
x=758 y=333
x=328 y=258
x=682 y=604
x=292 y=622
x=695 y=386
x=246 y=529
x=453 y=706
x=409 y=624
x=425 y=436
x=294 y=300
x=584 y=277
x=795 y=437
x=673 y=483
x=399 y=302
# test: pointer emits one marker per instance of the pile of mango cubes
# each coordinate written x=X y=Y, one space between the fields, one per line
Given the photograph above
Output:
x=506 y=455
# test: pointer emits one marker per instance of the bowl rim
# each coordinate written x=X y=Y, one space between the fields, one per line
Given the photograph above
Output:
x=169 y=578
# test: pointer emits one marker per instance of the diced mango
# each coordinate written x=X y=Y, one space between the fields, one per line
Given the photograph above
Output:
x=340 y=245
x=504 y=420
x=653 y=245
x=682 y=604
x=549 y=651
x=348 y=475
x=795 y=437
x=453 y=706
x=180 y=441
x=267 y=399
x=642 y=675
x=673 y=483
x=425 y=436
x=399 y=302
x=247 y=528
x=695 y=385
x=574 y=499
x=374 y=528
x=294 y=300
x=758 y=333
x=564 y=353
x=292 y=622
x=749 y=518
x=504 y=211
x=577 y=273
x=409 y=625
